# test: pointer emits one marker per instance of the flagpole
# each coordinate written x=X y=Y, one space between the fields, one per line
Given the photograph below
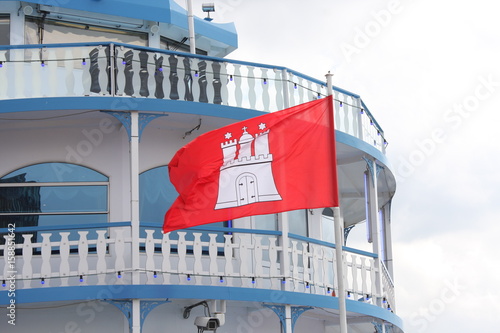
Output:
x=339 y=233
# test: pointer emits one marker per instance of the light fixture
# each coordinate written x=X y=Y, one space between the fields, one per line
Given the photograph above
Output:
x=283 y=280
x=340 y=103
x=265 y=80
x=367 y=298
x=155 y=275
x=3 y=283
x=42 y=281
x=124 y=62
x=221 y=279
x=84 y=62
x=196 y=73
x=384 y=300
x=231 y=77
x=43 y=63
x=188 y=277
x=328 y=290
x=295 y=85
x=208 y=8
x=119 y=275
x=362 y=111
x=307 y=285
x=81 y=278
x=1 y=64
x=253 y=279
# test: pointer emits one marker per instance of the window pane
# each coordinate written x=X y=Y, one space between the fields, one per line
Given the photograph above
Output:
x=54 y=172
x=4 y=31
x=65 y=32
x=266 y=222
x=74 y=199
x=156 y=194
x=297 y=222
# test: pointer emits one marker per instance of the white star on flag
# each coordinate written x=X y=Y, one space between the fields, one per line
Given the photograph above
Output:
x=262 y=126
x=228 y=136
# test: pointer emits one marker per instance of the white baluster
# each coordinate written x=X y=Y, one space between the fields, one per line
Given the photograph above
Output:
x=136 y=69
x=165 y=251
x=27 y=256
x=364 y=273
x=273 y=267
x=69 y=68
x=252 y=97
x=151 y=67
x=120 y=66
x=150 y=251
x=83 y=250
x=238 y=93
x=374 y=273
x=64 y=252
x=181 y=73
x=16 y=73
x=278 y=84
x=181 y=252
x=46 y=269
x=51 y=73
x=337 y=111
x=257 y=257
x=355 y=271
x=305 y=264
x=35 y=83
x=315 y=265
x=265 y=90
x=300 y=89
x=86 y=79
x=197 y=250
x=243 y=258
x=196 y=79
x=324 y=260
x=101 y=266
x=3 y=75
x=210 y=82
x=295 y=265
x=291 y=89
x=228 y=258
x=224 y=78
x=103 y=70
x=212 y=253
x=7 y=268
x=119 y=250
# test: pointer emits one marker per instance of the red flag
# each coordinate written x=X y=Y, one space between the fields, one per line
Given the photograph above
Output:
x=276 y=162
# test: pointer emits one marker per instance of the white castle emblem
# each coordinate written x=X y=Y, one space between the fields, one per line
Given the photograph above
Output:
x=245 y=178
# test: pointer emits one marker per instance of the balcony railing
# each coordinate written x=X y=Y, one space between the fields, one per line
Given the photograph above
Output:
x=241 y=258
x=107 y=69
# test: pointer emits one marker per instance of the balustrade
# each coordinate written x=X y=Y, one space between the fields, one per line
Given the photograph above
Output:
x=106 y=69
x=239 y=259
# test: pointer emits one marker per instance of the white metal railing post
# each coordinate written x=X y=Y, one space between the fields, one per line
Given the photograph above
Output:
x=134 y=193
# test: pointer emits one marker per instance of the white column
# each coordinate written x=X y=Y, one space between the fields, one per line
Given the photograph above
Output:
x=134 y=192
x=284 y=257
x=339 y=242
x=192 y=42
x=136 y=316
x=288 y=318
x=374 y=222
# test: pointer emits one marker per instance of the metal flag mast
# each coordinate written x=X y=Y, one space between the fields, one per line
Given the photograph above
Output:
x=192 y=42
x=339 y=233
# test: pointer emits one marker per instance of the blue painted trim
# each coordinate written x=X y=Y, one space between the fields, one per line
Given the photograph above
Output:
x=354 y=142
x=69 y=227
x=126 y=104
x=218 y=229
x=116 y=292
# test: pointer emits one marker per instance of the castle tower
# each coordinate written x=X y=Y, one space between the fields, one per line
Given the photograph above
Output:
x=245 y=145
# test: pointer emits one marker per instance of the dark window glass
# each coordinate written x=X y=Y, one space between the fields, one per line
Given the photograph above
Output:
x=4 y=30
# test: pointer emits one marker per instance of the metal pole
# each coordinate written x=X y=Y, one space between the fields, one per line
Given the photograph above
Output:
x=339 y=234
x=134 y=193
x=192 y=42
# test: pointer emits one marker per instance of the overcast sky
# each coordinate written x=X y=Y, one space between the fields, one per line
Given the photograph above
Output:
x=429 y=71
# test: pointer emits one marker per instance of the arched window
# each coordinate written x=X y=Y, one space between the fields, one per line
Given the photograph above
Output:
x=47 y=195
x=156 y=195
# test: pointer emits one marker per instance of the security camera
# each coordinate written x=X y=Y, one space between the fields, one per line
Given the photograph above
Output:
x=207 y=323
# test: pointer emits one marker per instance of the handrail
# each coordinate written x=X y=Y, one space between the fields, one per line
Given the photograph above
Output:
x=67 y=227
